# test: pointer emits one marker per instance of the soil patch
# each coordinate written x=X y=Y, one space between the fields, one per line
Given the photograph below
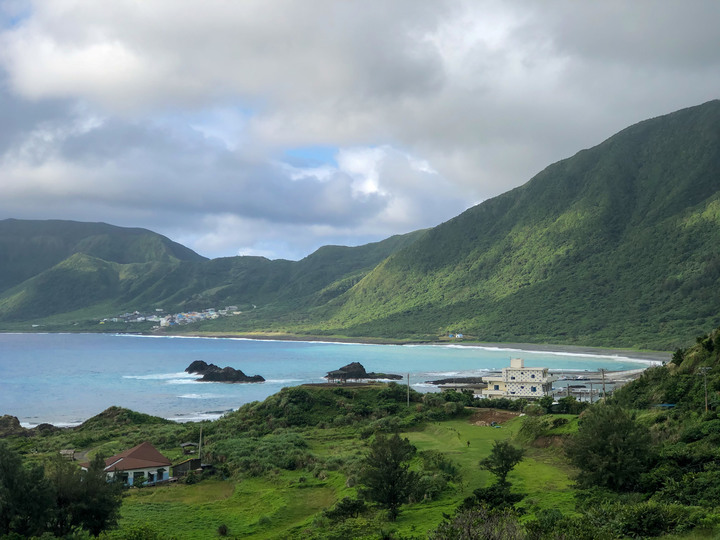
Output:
x=549 y=441
x=485 y=417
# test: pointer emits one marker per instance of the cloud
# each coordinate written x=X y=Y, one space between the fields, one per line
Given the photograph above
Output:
x=184 y=116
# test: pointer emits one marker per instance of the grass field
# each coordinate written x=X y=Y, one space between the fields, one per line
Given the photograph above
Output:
x=284 y=504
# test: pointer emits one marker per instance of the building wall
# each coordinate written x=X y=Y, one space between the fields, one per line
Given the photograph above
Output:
x=159 y=474
x=518 y=381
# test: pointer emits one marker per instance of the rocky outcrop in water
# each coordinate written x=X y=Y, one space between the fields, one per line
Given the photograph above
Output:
x=213 y=373
x=457 y=380
x=355 y=371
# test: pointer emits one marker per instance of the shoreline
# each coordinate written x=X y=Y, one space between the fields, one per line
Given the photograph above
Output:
x=635 y=354
x=610 y=352
x=639 y=357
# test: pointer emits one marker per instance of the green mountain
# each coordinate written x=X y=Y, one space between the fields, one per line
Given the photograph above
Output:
x=28 y=248
x=617 y=246
x=93 y=269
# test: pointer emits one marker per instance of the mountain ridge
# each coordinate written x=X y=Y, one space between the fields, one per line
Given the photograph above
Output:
x=618 y=245
x=576 y=212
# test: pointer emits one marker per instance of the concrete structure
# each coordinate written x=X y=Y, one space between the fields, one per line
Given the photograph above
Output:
x=518 y=381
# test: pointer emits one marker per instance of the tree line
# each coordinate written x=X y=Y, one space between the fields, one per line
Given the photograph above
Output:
x=59 y=500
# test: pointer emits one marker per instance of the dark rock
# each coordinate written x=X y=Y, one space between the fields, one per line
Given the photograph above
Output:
x=457 y=380
x=201 y=367
x=356 y=370
x=47 y=429
x=10 y=426
x=213 y=373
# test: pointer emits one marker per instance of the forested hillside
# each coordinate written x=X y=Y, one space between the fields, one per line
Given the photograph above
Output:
x=617 y=246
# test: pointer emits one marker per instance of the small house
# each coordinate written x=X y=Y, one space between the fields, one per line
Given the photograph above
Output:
x=184 y=467
x=189 y=447
x=142 y=461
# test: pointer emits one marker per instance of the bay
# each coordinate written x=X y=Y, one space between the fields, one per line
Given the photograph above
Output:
x=64 y=379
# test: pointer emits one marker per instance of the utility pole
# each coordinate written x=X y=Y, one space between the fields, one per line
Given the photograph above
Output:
x=591 y=390
x=408 y=390
x=602 y=371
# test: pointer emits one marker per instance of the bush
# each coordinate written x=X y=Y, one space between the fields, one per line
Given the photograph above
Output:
x=255 y=456
x=346 y=508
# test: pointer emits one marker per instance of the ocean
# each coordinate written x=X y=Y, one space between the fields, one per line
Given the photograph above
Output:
x=64 y=379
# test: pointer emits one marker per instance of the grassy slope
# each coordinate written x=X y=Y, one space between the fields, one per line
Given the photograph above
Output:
x=617 y=245
x=289 y=503
x=282 y=505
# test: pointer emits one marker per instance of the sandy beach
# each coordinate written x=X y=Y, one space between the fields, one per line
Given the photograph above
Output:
x=652 y=356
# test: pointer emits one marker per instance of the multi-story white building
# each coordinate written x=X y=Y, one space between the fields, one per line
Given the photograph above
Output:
x=518 y=381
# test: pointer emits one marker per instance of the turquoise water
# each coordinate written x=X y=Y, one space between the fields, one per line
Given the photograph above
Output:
x=63 y=379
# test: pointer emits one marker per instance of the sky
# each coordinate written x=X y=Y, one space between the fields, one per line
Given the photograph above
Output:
x=273 y=127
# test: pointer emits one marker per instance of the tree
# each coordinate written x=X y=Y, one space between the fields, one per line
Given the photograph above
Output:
x=346 y=508
x=611 y=449
x=83 y=499
x=546 y=403
x=386 y=475
x=25 y=495
x=100 y=500
x=64 y=476
x=502 y=459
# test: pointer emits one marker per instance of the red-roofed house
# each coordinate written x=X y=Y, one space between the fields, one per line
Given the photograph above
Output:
x=142 y=460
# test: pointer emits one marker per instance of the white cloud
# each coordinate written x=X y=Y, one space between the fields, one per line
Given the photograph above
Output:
x=180 y=112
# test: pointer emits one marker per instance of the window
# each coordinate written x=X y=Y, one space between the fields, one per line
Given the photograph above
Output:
x=533 y=388
x=512 y=378
x=496 y=387
x=532 y=376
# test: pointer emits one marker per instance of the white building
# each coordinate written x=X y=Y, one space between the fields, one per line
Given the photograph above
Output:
x=142 y=461
x=518 y=381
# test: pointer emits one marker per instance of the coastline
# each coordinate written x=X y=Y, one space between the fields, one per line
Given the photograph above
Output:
x=187 y=401
x=635 y=354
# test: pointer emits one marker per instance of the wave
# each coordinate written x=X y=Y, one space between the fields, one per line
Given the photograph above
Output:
x=461 y=373
x=495 y=348
x=172 y=378
x=199 y=417
x=202 y=396
x=185 y=381
x=72 y=423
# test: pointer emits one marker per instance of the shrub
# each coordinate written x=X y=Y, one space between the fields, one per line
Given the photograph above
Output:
x=346 y=508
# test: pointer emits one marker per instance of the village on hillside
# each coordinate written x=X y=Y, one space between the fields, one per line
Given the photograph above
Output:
x=166 y=320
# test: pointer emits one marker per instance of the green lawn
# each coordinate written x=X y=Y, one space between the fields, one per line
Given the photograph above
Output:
x=290 y=503
x=254 y=508
x=542 y=474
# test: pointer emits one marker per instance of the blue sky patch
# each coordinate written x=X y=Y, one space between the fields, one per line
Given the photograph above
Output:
x=311 y=156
